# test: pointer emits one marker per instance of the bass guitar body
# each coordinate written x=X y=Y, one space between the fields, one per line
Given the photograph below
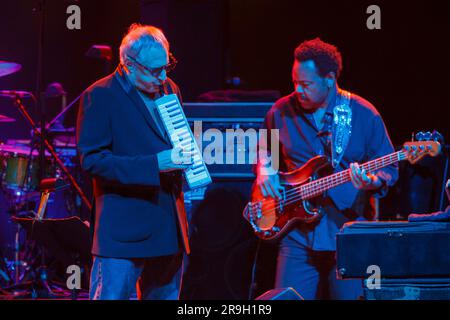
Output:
x=272 y=218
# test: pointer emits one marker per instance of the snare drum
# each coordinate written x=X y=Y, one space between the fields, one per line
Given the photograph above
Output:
x=20 y=169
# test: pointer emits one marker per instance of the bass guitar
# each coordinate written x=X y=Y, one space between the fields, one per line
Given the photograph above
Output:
x=271 y=218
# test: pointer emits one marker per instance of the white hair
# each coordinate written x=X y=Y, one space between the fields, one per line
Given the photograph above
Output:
x=141 y=36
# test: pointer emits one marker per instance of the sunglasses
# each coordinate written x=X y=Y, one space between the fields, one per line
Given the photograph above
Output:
x=156 y=72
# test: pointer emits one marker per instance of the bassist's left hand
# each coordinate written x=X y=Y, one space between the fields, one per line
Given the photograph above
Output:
x=363 y=180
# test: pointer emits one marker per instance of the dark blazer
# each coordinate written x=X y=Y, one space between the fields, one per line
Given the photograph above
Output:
x=138 y=211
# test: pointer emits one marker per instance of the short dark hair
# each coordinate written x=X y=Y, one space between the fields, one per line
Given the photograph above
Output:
x=326 y=56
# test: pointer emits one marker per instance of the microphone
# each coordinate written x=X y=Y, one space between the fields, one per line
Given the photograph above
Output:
x=55 y=89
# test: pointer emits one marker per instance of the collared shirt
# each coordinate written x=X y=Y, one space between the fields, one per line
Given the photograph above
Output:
x=151 y=106
x=300 y=140
x=149 y=103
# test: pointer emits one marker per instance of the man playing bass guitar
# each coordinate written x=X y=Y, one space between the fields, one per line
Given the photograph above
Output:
x=319 y=118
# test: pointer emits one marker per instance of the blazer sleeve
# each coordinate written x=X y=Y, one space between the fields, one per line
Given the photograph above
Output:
x=94 y=141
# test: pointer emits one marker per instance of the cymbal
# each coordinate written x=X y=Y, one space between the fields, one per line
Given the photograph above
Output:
x=20 y=150
x=8 y=67
x=6 y=119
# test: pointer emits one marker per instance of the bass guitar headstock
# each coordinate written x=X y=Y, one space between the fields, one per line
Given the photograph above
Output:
x=427 y=143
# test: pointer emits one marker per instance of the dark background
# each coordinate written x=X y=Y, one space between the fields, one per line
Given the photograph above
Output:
x=402 y=68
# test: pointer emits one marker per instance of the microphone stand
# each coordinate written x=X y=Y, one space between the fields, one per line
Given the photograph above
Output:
x=39 y=9
x=49 y=147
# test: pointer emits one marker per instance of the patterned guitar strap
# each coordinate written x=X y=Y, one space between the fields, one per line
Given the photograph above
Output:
x=341 y=128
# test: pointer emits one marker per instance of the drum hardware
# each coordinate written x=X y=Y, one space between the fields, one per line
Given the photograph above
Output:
x=20 y=171
x=18 y=178
x=39 y=132
x=4 y=276
x=6 y=119
x=16 y=271
x=48 y=186
x=69 y=241
x=29 y=276
x=51 y=150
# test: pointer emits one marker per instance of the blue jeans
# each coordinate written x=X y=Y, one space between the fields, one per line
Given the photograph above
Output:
x=312 y=273
x=156 y=278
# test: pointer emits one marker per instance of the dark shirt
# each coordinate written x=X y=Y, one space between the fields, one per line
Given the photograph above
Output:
x=300 y=140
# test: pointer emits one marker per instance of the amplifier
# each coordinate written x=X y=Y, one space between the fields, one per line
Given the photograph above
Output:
x=226 y=111
x=395 y=249
x=231 y=128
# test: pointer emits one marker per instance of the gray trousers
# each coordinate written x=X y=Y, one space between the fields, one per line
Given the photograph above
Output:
x=312 y=273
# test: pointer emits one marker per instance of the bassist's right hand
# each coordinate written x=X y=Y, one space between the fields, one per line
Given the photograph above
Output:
x=269 y=185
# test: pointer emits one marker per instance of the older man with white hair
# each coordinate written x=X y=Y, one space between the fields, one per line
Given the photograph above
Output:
x=138 y=221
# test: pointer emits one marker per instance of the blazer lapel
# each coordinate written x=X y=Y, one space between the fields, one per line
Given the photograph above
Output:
x=138 y=102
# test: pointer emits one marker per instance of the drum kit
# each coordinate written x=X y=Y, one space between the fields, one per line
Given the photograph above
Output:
x=19 y=159
x=27 y=168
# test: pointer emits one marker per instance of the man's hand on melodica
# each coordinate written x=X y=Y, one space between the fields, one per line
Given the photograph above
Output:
x=174 y=159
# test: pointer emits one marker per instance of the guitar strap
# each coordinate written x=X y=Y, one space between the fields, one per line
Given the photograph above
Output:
x=341 y=127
